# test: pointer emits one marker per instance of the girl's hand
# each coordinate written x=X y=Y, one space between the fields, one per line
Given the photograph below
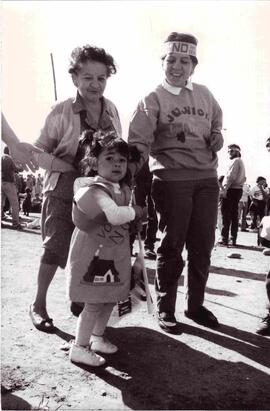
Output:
x=140 y=212
x=141 y=215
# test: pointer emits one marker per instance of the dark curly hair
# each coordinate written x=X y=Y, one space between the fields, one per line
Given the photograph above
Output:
x=85 y=53
x=93 y=146
x=185 y=37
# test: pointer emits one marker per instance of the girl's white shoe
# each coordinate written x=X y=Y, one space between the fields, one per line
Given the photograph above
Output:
x=101 y=344
x=85 y=355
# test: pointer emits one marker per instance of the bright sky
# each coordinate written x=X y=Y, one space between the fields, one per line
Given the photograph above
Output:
x=233 y=52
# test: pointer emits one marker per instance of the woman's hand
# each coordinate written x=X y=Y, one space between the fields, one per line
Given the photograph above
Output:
x=215 y=142
x=23 y=155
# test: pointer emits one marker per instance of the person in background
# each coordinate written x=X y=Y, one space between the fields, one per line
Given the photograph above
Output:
x=39 y=185
x=219 y=216
x=264 y=235
x=179 y=125
x=36 y=203
x=143 y=198
x=22 y=153
x=231 y=194
x=243 y=207
x=99 y=263
x=267 y=145
x=90 y=67
x=27 y=202
x=9 y=188
x=30 y=182
x=259 y=195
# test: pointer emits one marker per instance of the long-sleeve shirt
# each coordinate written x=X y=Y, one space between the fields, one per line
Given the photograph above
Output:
x=236 y=174
x=176 y=127
x=115 y=214
x=62 y=129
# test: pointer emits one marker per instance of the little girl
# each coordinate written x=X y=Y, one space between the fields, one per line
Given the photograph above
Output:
x=99 y=262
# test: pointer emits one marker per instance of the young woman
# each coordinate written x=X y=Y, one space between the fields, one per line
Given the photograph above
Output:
x=179 y=125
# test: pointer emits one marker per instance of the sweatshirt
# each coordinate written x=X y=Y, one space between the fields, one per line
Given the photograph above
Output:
x=177 y=130
x=236 y=174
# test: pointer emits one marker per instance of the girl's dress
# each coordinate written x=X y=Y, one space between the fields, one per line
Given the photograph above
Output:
x=99 y=262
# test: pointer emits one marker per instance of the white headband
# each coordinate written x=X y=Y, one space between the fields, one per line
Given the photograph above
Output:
x=235 y=149
x=180 y=47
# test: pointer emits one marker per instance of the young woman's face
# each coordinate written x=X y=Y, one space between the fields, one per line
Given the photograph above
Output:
x=91 y=80
x=111 y=165
x=178 y=68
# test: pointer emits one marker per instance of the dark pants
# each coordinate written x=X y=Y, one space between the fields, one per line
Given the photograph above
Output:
x=144 y=199
x=266 y=243
x=267 y=284
x=187 y=216
x=229 y=211
x=257 y=210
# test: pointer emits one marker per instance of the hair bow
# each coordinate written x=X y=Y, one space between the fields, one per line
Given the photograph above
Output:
x=102 y=137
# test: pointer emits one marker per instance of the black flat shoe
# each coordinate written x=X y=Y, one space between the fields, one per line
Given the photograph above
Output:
x=204 y=317
x=76 y=308
x=41 y=323
x=168 y=323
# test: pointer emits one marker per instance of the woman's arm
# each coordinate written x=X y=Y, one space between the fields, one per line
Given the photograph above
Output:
x=49 y=139
x=141 y=130
x=216 y=140
x=51 y=163
x=21 y=152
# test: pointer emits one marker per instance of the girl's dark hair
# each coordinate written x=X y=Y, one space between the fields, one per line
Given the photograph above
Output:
x=81 y=55
x=185 y=37
x=94 y=143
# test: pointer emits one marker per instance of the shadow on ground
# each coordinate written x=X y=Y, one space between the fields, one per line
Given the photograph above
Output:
x=13 y=402
x=158 y=372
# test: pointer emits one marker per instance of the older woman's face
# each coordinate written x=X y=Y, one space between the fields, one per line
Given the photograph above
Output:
x=178 y=68
x=91 y=80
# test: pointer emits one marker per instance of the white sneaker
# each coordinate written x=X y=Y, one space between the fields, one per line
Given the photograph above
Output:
x=85 y=355
x=103 y=345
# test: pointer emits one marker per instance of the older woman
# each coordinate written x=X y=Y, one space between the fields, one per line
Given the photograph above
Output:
x=90 y=67
x=179 y=125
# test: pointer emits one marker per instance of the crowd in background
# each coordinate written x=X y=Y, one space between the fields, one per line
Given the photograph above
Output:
x=29 y=194
x=251 y=209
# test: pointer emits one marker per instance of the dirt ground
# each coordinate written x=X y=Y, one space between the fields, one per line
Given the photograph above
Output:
x=201 y=369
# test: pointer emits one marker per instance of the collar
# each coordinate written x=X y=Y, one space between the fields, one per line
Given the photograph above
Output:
x=115 y=186
x=176 y=90
x=105 y=120
x=78 y=104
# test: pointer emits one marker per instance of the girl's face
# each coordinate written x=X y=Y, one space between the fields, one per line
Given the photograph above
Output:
x=91 y=80
x=178 y=68
x=111 y=165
